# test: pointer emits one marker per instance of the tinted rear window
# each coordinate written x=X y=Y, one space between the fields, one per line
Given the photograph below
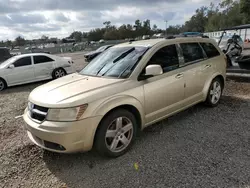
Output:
x=42 y=59
x=210 y=50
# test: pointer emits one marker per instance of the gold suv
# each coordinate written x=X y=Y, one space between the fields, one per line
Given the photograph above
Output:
x=123 y=90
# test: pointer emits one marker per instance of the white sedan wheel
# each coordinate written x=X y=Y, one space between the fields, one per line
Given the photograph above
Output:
x=2 y=85
x=59 y=73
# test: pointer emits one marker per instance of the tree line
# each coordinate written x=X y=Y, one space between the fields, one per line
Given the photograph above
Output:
x=226 y=14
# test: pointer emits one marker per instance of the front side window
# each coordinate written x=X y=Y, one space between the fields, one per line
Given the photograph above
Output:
x=210 y=50
x=191 y=52
x=42 y=59
x=25 y=61
x=166 y=57
x=118 y=62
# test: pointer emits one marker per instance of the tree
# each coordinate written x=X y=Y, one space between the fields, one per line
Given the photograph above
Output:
x=107 y=24
x=154 y=28
x=19 y=41
x=44 y=39
x=96 y=34
x=9 y=43
x=244 y=9
x=198 y=21
x=77 y=35
x=173 y=30
x=146 y=27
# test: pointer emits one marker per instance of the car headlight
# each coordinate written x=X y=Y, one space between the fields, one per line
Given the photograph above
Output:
x=66 y=114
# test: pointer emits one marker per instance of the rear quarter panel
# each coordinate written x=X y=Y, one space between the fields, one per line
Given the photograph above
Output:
x=219 y=69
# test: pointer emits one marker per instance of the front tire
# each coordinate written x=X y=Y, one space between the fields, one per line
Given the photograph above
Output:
x=3 y=84
x=214 y=93
x=116 y=133
x=58 y=73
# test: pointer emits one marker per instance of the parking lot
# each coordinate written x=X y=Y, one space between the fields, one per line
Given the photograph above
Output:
x=200 y=147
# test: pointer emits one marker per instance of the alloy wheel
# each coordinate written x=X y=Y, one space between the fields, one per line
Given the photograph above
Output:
x=215 y=92
x=59 y=73
x=119 y=134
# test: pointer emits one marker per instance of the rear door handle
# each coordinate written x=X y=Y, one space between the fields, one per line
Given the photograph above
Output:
x=178 y=76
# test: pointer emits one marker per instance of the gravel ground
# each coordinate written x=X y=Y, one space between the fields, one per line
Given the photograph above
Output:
x=200 y=147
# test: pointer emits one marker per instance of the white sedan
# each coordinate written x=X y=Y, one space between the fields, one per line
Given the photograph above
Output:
x=27 y=68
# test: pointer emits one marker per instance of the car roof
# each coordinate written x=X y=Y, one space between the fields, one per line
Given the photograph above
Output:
x=152 y=42
x=146 y=43
x=32 y=54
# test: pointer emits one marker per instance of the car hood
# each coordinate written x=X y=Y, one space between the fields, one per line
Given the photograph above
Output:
x=72 y=89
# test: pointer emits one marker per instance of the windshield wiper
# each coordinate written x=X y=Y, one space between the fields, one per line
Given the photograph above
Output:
x=100 y=69
x=124 y=54
x=130 y=66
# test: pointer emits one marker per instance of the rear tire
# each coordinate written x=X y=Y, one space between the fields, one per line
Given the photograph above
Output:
x=3 y=84
x=214 y=93
x=116 y=133
x=58 y=73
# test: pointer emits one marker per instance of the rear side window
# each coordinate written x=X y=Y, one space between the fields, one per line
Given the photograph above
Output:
x=23 y=62
x=210 y=50
x=191 y=52
x=42 y=59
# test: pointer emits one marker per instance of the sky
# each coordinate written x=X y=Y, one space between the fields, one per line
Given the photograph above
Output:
x=58 y=18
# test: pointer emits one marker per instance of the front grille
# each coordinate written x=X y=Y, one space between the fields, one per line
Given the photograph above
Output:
x=37 y=113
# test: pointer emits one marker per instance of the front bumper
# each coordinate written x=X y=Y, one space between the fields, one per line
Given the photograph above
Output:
x=63 y=137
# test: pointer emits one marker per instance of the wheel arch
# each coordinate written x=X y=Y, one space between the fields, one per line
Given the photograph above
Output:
x=4 y=81
x=208 y=83
x=56 y=68
x=120 y=102
x=125 y=102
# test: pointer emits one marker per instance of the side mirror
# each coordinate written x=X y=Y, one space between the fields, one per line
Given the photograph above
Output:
x=230 y=41
x=153 y=70
x=11 y=66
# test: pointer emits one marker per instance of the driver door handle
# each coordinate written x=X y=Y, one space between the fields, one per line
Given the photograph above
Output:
x=178 y=76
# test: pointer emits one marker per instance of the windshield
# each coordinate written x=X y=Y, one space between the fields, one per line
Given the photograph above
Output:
x=102 y=48
x=116 y=62
x=8 y=61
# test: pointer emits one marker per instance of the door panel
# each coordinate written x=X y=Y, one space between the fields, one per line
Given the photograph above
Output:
x=23 y=72
x=196 y=75
x=43 y=71
x=163 y=95
x=196 y=68
x=43 y=66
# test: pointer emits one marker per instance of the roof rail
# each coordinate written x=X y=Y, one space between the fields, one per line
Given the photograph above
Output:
x=180 y=36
